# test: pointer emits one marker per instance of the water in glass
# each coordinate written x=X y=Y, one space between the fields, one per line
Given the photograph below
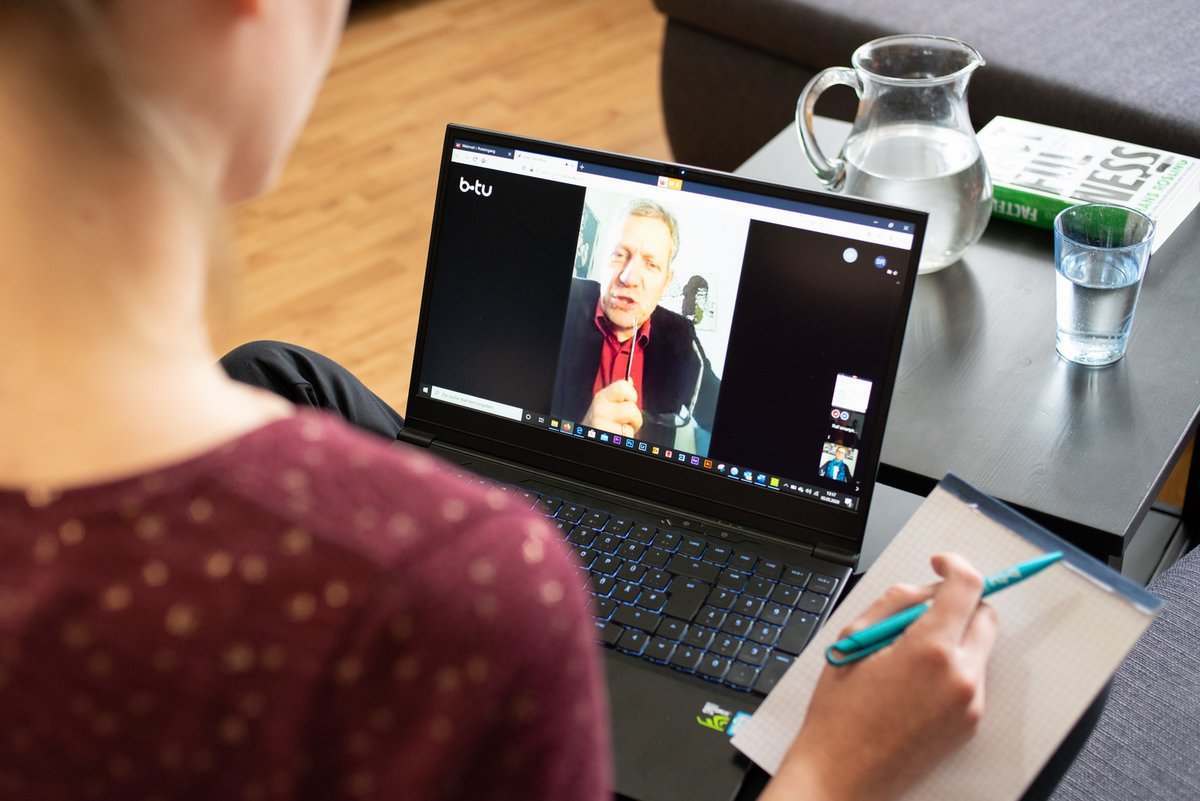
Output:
x=1096 y=296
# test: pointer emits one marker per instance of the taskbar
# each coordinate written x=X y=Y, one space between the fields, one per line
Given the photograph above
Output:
x=733 y=472
x=571 y=428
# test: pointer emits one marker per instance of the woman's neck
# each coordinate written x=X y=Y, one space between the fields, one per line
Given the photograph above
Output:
x=107 y=368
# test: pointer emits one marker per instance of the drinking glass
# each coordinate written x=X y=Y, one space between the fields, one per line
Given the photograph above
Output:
x=1100 y=255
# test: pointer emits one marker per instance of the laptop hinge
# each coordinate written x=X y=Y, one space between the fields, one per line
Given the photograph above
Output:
x=414 y=437
x=835 y=555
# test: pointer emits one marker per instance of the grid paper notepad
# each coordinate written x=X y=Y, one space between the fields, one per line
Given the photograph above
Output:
x=1062 y=634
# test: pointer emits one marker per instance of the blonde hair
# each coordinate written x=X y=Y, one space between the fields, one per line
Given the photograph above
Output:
x=80 y=65
x=644 y=207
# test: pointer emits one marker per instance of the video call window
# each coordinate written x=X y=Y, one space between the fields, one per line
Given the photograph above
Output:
x=839 y=453
x=653 y=286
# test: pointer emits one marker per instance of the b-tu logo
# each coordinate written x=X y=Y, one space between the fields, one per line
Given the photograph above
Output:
x=478 y=187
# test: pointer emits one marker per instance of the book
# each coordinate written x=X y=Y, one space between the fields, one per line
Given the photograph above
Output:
x=1039 y=170
x=1061 y=636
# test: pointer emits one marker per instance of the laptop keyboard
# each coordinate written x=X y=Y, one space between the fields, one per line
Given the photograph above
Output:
x=699 y=606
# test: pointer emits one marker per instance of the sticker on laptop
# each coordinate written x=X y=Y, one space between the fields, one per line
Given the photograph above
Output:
x=714 y=717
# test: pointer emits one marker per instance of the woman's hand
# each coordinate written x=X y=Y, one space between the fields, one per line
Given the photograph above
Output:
x=877 y=726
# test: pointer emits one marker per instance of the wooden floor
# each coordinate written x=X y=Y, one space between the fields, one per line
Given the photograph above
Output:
x=334 y=258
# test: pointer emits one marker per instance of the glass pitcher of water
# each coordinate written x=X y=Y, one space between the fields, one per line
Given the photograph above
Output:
x=912 y=143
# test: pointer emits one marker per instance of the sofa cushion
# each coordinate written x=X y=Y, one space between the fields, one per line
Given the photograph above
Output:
x=1115 y=69
x=1144 y=745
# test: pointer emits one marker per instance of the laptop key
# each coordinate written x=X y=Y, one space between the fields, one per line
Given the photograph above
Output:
x=722 y=598
x=764 y=633
x=743 y=561
x=748 y=606
x=655 y=578
x=741 y=676
x=693 y=568
x=822 y=584
x=796 y=633
x=692 y=548
x=768 y=568
x=636 y=618
x=548 y=506
x=672 y=629
x=685 y=597
x=710 y=616
x=660 y=649
x=686 y=658
x=528 y=496
x=643 y=533
x=603 y=607
x=785 y=595
x=759 y=587
x=737 y=625
x=582 y=536
x=713 y=667
x=724 y=645
x=619 y=526
x=796 y=576
x=631 y=572
x=608 y=633
x=631 y=550
x=772 y=672
x=571 y=513
x=607 y=564
x=602 y=585
x=774 y=614
x=594 y=520
x=585 y=557
x=563 y=527
x=732 y=580
x=607 y=543
x=754 y=654
x=633 y=641
x=667 y=540
x=718 y=554
x=812 y=602
x=656 y=557
x=626 y=593
x=699 y=637
x=652 y=600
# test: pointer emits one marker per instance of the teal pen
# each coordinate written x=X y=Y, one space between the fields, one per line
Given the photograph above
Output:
x=884 y=633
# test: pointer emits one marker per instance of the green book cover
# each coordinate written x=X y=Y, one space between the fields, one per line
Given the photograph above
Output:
x=1038 y=170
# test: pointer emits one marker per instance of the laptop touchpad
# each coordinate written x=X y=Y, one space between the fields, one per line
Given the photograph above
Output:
x=670 y=741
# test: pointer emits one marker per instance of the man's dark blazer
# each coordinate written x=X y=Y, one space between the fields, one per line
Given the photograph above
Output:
x=675 y=374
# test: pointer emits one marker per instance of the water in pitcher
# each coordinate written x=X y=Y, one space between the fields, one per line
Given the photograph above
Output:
x=928 y=167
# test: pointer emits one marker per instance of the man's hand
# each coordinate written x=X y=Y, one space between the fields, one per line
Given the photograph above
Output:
x=875 y=727
x=614 y=409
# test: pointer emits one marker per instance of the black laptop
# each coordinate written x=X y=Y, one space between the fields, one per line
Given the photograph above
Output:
x=690 y=373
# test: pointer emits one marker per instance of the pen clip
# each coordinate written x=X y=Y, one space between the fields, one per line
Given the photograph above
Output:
x=838 y=658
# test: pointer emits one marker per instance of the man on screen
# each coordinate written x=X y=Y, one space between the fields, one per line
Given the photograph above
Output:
x=627 y=365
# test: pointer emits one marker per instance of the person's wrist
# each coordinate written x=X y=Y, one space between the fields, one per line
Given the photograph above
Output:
x=803 y=777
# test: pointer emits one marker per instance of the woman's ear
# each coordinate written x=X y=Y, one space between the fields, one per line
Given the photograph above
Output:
x=254 y=7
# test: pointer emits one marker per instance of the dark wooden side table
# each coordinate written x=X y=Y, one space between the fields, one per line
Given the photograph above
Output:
x=982 y=393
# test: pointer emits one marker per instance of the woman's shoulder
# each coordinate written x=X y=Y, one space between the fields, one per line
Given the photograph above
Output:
x=356 y=490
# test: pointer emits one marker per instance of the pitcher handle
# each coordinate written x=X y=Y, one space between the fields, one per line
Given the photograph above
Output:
x=831 y=172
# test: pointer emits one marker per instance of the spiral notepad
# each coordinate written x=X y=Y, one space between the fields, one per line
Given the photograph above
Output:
x=1062 y=634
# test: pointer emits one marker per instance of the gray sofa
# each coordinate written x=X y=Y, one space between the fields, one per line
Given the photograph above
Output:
x=732 y=69
x=1146 y=744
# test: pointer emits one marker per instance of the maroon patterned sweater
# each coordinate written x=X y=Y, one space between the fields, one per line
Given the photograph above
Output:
x=303 y=613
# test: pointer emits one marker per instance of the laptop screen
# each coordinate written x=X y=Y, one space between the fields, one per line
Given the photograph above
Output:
x=687 y=332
